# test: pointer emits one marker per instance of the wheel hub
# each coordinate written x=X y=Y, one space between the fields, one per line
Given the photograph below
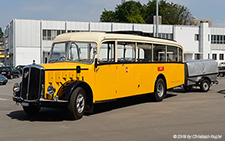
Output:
x=160 y=90
x=80 y=103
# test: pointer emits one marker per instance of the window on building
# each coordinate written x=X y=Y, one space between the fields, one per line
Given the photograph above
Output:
x=218 y=39
x=166 y=36
x=196 y=37
x=51 y=34
x=221 y=56
x=212 y=39
x=214 y=56
x=224 y=39
x=197 y=56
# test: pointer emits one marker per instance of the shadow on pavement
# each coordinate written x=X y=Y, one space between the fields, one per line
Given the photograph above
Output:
x=221 y=92
x=181 y=90
x=46 y=114
x=54 y=115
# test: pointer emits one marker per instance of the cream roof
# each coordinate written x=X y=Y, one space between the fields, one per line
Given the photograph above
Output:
x=101 y=36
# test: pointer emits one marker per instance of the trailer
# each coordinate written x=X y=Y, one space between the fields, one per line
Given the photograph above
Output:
x=201 y=73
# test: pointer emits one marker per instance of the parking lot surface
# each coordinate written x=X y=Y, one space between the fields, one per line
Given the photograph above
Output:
x=182 y=115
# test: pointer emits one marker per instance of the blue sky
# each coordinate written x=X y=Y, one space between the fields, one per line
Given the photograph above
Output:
x=90 y=10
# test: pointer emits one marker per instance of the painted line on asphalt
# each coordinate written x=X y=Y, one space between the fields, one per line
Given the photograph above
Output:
x=2 y=99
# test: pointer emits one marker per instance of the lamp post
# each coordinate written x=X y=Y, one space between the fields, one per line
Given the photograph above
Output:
x=157 y=18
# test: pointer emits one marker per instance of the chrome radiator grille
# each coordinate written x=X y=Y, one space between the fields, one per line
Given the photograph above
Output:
x=32 y=83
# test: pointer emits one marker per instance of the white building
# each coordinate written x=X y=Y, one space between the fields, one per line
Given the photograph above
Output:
x=27 y=40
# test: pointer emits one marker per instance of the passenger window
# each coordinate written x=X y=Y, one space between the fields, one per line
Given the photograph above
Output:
x=172 y=54
x=107 y=52
x=144 y=52
x=125 y=52
x=159 y=53
x=180 y=55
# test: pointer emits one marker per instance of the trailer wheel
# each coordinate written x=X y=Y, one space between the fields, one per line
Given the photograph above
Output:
x=205 y=85
x=221 y=75
x=187 y=88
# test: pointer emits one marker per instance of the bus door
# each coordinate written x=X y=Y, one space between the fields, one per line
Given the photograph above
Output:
x=106 y=72
x=127 y=83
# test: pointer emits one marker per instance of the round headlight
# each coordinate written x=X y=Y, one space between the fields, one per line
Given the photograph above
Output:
x=16 y=87
x=51 y=90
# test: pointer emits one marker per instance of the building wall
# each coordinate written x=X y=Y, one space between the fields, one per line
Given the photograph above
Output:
x=28 y=40
x=185 y=35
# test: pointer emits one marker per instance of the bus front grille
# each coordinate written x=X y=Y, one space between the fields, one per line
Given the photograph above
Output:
x=31 y=83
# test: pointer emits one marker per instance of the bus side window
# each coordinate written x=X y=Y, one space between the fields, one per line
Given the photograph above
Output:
x=180 y=55
x=125 y=52
x=107 y=52
x=144 y=52
x=172 y=54
x=159 y=54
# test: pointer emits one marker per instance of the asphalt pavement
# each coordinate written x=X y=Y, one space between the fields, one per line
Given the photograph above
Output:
x=182 y=115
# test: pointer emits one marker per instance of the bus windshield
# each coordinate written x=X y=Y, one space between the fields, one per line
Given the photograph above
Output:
x=73 y=51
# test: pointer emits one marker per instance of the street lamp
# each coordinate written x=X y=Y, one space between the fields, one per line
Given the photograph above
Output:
x=157 y=18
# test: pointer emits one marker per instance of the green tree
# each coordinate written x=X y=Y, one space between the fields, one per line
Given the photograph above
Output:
x=1 y=33
x=126 y=12
x=107 y=16
x=135 y=12
x=171 y=13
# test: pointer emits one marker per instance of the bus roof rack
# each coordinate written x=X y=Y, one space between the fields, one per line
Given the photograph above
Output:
x=140 y=33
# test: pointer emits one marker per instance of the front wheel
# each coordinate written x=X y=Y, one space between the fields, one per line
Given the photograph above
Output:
x=160 y=90
x=205 y=85
x=77 y=103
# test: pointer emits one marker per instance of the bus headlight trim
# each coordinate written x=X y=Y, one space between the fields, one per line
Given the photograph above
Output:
x=16 y=87
x=51 y=90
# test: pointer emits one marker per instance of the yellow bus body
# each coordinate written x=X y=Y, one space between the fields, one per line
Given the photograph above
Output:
x=112 y=81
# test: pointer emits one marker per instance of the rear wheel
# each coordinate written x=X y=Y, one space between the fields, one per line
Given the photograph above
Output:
x=205 y=85
x=77 y=103
x=160 y=90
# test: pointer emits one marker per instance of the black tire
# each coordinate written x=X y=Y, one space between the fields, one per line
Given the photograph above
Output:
x=31 y=109
x=221 y=75
x=205 y=85
x=187 y=88
x=160 y=90
x=77 y=103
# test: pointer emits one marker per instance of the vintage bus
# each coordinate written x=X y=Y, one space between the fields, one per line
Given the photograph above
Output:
x=89 y=67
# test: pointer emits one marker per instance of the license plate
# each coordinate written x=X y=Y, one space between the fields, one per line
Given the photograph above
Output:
x=3 y=72
x=25 y=104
